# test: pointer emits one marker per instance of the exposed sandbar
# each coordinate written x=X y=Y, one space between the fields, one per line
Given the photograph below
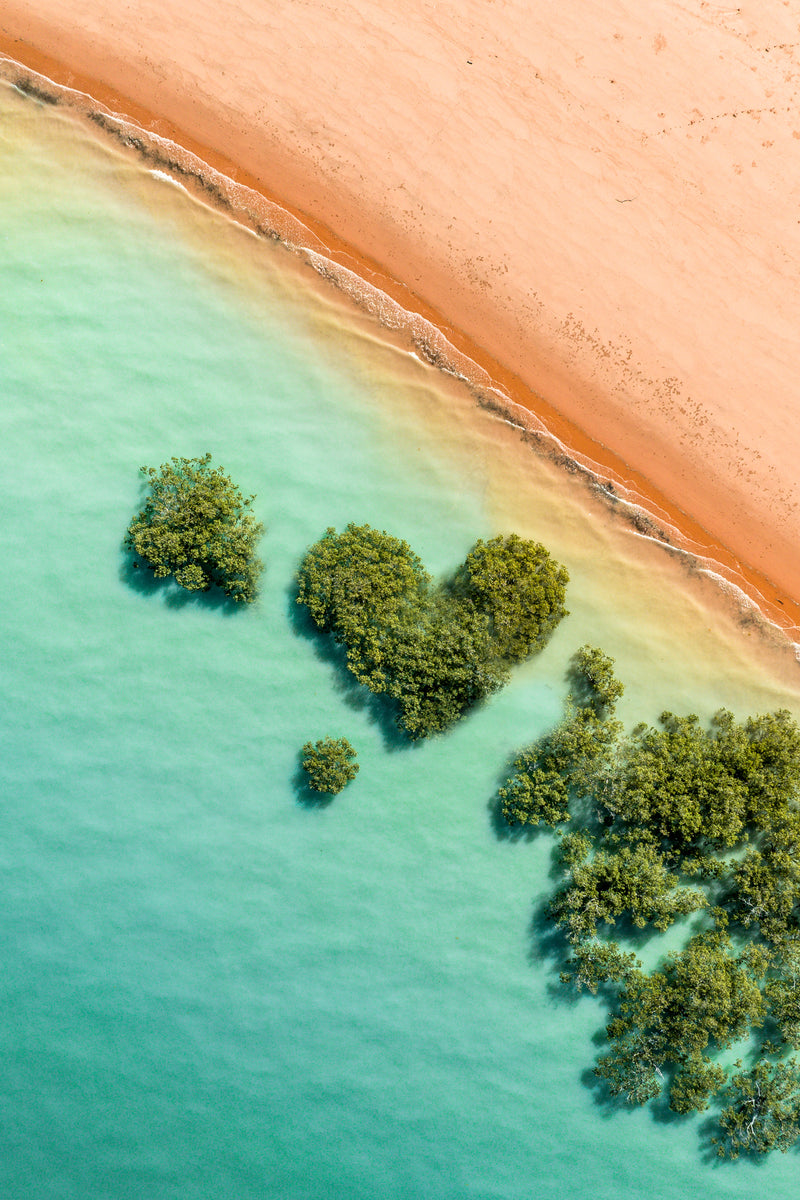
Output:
x=602 y=203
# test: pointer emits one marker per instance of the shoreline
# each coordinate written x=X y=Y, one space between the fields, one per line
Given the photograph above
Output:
x=615 y=478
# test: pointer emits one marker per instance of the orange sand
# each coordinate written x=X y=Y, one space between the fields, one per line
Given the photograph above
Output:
x=602 y=200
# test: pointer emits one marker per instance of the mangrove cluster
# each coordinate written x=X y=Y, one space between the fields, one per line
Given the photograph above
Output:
x=197 y=528
x=669 y=822
x=435 y=649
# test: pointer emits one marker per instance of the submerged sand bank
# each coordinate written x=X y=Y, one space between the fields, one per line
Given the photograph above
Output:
x=602 y=200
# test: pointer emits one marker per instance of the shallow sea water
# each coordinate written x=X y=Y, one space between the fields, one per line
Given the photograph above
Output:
x=211 y=989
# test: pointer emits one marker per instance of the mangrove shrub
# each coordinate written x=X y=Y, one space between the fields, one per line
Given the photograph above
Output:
x=434 y=649
x=197 y=527
x=329 y=764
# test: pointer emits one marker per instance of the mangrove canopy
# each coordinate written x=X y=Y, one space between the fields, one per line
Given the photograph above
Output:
x=670 y=821
x=197 y=528
x=329 y=764
x=435 y=649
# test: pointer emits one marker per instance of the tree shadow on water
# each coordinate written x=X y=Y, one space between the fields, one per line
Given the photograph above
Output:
x=659 y=1109
x=305 y=796
x=139 y=577
x=547 y=944
x=499 y=825
x=608 y=1106
x=708 y=1129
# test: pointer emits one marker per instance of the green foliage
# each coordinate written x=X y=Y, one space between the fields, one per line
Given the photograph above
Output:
x=330 y=764
x=765 y=884
x=593 y=680
x=763 y=1112
x=673 y=787
x=572 y=758
x=518 y=586
x=703 y=997
x=361 y=585
x=696 y=791
x=632 y=881
x=575 y=757
x=655 y=808
x=769 y=760
x=574 y=847
x=630 y=1071
x=713 y=995
x=696 y=1080
x=438 y=668
x=782 y=992
x=535 y=792
x=594 y=963
x=633 y=1067
x=765 y=892
x=197 y=527
x=435 y=650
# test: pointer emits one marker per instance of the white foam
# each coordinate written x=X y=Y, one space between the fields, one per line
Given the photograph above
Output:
x=168 y=179
x=266 y=218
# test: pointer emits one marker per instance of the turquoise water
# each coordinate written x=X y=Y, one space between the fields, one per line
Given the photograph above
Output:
x=210 y=988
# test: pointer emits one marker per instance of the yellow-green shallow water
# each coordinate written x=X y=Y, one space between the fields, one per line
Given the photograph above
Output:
x=211 y=990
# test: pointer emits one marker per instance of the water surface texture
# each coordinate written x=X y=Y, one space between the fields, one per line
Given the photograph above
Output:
x=210 y=988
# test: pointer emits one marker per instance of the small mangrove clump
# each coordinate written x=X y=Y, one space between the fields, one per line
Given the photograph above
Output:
x=197 y=527
x=329 y=764
x=434 y=649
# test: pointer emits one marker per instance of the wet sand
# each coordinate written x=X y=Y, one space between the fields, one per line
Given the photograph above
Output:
x=599 y=206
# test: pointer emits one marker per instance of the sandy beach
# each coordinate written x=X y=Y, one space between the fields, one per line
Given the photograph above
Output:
x=599 y=204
